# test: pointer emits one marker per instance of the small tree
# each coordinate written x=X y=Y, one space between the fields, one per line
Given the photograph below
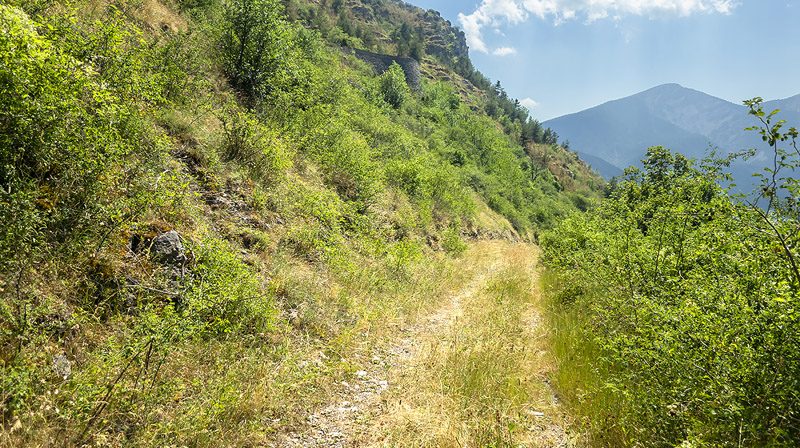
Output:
x=393 y=86
x=782 y=192
x=255 y=45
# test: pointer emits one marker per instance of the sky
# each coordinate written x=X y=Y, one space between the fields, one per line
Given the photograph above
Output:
x=563 y=56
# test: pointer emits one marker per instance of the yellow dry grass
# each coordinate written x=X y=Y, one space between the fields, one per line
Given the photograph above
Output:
x=474 y=371
x=158 y=16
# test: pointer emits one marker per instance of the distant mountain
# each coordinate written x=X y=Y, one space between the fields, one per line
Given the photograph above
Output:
x=617 y=134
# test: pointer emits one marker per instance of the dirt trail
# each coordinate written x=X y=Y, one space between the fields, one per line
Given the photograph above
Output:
x=367 y=411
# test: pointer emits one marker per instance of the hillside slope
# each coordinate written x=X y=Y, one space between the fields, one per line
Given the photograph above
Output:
x=207 y=206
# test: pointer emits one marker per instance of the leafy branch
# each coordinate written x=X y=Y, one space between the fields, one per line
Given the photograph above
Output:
x=771 y=185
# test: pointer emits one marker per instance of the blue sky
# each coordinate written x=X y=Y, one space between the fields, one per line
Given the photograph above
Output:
x=563 y=56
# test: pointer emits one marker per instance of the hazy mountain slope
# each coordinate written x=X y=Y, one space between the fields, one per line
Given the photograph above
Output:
x=789 y=107
x=682 y=119
x=619 y=131
x=600 y=165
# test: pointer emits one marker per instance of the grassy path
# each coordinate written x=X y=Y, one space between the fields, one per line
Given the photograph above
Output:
x=471 y=373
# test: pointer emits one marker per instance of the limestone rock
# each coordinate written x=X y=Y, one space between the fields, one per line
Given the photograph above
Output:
x=62 y=366
x=168 y=249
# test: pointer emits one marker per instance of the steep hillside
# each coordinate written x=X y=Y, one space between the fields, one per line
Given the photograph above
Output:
x=400 y=29
x=213 y=215
x=682 y=119
x=384 y=26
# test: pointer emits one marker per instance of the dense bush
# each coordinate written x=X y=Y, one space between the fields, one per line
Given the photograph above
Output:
x=76 y=164
x=256 y=46
x=255 y=147
x=685 y=325
x=393 y=86
x=71 y=145
x=224 y=296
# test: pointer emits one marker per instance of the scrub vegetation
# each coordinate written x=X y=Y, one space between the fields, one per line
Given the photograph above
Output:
x=218 y=226
x=205 y=204
x=673 y=304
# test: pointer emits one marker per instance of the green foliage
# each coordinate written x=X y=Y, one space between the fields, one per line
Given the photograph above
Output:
x=224 y=296
x=349 y=164
x=323 y=215
x=256 y=46
x=393 y=87
x=256 y=147
x=687 y=305
x=408 y=41
x=451 y=241
x=72 y=146
x=780 y=191
x=431 y=186
x=470 y=149
x=442 y=96
x=189 y=5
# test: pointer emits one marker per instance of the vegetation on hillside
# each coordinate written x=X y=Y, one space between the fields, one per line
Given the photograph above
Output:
x=314 y=200
x=674 y=304
x=398 y=28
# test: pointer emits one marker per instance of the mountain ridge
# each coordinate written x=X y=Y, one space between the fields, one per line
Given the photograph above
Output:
x=670 y=115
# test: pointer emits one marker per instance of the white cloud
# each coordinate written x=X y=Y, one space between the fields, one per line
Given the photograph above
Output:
x=596 y=15
x=529 y=104
x=472 y=25
x=497 y=12
x=504 y=51
x=490 y=13
x=593 y=10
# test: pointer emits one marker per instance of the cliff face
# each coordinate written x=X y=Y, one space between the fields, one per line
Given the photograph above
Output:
x=439 y=37
x=442 y=39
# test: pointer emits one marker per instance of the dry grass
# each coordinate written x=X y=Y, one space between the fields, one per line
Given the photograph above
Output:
x=156 y=15
x=490 y=221
x=474 y=371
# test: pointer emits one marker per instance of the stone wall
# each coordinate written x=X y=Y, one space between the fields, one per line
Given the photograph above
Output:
x=382 y=62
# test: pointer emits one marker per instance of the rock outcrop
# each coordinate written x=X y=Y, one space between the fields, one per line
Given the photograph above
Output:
x=168 y=249
x=442 y=39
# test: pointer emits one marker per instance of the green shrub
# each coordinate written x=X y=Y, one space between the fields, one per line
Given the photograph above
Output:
x=401 y=255
x=686 y=307
x=256 y=46
x=442 y=96
x=67 y=146
x=224 y=295
x=451 y=242
x=393 y=87
x=349 y=166
x=255 y=147
x=408 y=176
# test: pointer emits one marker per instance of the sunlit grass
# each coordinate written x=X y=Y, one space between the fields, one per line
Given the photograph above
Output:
x=475 y=376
